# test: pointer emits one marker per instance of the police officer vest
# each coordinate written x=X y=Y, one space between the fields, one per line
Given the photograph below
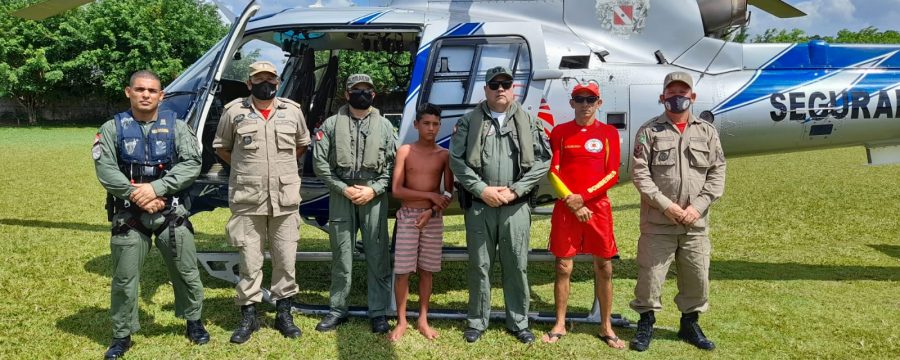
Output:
x=145 y=158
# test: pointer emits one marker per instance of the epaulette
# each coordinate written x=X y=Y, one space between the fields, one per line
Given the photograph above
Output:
x=235 y=101
x=289 y=102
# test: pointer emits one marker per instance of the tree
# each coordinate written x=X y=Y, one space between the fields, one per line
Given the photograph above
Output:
x=26 y=74
x=782 y=36
x=91 y=50
x=869 y=35
x=108 y=40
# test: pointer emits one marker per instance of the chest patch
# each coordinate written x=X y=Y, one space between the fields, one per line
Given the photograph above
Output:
x=593 y=145
x=247 y=139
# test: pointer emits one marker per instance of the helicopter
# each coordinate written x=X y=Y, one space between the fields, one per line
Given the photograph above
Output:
x=762 y=98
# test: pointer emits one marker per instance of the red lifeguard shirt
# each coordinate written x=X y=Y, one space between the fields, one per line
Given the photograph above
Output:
x=586 y=158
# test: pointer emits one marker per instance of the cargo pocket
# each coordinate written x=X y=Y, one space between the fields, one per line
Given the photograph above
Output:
x=289 y=194
x=699 y=151
x=246 y=137
x=287 y=137
x=247 y=190
x=235 y=231
x=663 y=153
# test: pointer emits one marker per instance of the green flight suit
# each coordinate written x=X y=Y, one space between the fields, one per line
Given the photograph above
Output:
x=506 y=228
x=346 y=218
x=129 y=249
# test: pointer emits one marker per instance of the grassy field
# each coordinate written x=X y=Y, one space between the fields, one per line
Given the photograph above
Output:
x=806 y=264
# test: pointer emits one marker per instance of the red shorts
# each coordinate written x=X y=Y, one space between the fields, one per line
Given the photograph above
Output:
x=569 y=237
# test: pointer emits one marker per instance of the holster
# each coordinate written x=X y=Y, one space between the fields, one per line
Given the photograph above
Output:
x=465 y=197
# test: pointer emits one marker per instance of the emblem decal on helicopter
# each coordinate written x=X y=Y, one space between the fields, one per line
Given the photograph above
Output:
x=623 y=17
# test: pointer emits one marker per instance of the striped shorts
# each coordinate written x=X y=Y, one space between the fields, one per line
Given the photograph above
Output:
x=417 y=248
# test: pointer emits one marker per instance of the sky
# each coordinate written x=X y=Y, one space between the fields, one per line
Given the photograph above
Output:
x=824 y=17
x=827 y=17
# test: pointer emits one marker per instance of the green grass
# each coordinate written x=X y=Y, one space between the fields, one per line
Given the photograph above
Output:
x=806 y=264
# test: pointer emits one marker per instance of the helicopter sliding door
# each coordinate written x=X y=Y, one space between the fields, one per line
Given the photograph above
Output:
x=199 y=110
x=459 y=59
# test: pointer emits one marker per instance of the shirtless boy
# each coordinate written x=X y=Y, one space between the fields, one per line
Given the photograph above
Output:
x=418 y=171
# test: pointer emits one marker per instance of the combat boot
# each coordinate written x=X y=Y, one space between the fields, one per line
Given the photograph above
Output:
x=118 y=348
x=284 y=321
x=690 y=331
x=644 y=332
x=248 y=325
x=196 y=332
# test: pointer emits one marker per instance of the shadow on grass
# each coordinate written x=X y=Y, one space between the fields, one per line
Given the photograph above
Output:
x=93 y=323
x=104 y=228
x=889 y=250
x=355 y=340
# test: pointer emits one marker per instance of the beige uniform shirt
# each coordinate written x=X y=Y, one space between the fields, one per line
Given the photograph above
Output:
x=264 y=177
x=673 y=167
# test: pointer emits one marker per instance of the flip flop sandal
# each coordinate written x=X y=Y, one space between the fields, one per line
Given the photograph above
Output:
x=608 y=339
x=557 y=336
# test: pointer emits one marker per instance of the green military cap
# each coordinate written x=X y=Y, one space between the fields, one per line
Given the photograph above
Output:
x=262 y=66
x=678 y=76
x=354 y=79
x=495 y=71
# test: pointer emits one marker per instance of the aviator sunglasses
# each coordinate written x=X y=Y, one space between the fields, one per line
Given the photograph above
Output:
x=494 y=85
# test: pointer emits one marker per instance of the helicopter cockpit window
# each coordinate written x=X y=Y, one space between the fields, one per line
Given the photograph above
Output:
x=458 y=71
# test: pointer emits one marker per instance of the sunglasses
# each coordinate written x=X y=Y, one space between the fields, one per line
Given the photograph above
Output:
x=494 y=85
x=582 y=99
x=361 y=92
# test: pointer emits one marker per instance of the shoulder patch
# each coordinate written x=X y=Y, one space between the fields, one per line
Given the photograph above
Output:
x=320 y=135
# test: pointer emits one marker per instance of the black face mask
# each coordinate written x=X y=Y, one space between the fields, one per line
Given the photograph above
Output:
x=677 y=103
x=360 y=100
x=264 y=90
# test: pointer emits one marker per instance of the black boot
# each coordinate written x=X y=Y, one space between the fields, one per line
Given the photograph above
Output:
x=196 y=332
x=248 y=325
x=644 y=332
x=284 y=321
x=690 y=331
x=118 y=348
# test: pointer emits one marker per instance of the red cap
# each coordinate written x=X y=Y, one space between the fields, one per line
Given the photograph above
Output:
x=591 y=87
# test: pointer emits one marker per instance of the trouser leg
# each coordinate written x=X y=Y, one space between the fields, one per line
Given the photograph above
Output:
x=248 y=233
x=283 y=236
x=180 y=256
x=481 y=244
x=515 y=232
x=342 y=227
x=654 y=255
x=376 y=242
x=127 y=254
x=692 y=262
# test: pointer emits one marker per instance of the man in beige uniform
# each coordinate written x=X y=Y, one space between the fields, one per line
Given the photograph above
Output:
x=262 y=137
x=679 y=169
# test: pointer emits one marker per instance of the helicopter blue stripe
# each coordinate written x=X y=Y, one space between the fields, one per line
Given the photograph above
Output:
x=365 y=19
x=803 y=64
x=378 y=16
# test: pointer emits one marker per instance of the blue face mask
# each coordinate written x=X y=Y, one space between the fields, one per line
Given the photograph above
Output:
x=677 y=103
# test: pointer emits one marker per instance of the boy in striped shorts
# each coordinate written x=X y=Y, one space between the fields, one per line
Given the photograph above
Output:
x=418 y=170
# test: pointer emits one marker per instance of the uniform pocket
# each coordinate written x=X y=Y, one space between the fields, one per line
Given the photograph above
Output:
x=247 y=190
x=235 y=231
x=287 y=137
x=247 y=138
x=289 y=194
x=699 y=151
x=663 y=153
